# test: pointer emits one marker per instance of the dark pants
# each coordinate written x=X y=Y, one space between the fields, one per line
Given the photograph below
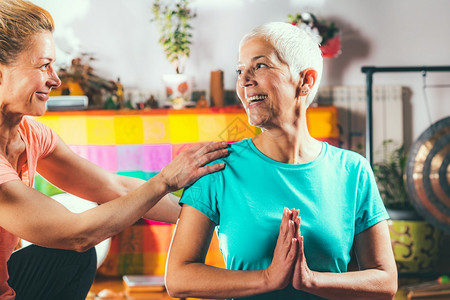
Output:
x=42 y=273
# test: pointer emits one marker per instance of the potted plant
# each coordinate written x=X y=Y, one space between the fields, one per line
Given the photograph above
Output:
x=415 y=242
x=326 y=33
x=79 y=79
x=390 y=175
x=172 y=19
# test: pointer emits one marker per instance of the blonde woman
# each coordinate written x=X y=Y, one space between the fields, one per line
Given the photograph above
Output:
x=64 y=263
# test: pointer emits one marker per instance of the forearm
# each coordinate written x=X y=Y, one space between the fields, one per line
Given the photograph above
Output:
x=203 y=281
x=188 y=276
x=166 y=210
x=365 y=284
x=113 y=187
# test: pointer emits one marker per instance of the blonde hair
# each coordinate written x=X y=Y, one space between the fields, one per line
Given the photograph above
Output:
x=295 y=46
x=19 y=21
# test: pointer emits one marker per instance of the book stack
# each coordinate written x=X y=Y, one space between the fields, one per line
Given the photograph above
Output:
x=143 y=283
x=436 y=289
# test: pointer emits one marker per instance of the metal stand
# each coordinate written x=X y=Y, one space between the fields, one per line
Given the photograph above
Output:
x=369 y=71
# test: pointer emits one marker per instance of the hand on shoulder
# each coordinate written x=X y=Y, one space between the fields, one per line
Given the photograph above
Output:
x=189 y=165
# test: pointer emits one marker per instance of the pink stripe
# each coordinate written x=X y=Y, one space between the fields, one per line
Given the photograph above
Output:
x=130 y=157
x=156 y=157
x=104 y=156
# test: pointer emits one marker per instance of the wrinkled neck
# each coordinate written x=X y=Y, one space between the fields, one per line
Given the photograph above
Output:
x=289 y=143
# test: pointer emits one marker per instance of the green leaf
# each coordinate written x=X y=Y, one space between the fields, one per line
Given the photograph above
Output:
x=172 y=18
x=390 y=177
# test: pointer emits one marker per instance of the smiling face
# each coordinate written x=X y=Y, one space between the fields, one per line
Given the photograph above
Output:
x=265 y=85
x=25 y=84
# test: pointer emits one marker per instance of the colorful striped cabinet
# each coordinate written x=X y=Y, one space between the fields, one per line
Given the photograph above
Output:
x=140 y=143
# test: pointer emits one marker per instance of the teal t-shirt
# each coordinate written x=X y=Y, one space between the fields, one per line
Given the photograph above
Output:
x=336 y=193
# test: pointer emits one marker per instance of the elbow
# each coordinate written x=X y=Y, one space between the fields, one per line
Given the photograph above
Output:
x=382 y=287
x=81 y=244
x=174 y=285
x=70 y=243
x=390 y=286
x=393 y=283
x=392 y=291
x=388 y=294
x=83 y=247
x=172 y=291
x=84 y=237
x=80 y=239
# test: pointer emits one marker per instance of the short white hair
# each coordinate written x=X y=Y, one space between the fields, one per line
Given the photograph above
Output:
x=295 y=46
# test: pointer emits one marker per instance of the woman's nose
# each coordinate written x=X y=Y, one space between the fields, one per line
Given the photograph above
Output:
x=54 y=79
x=245 y=79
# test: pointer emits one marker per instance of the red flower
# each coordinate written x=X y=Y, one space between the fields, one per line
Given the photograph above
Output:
x=183 y=87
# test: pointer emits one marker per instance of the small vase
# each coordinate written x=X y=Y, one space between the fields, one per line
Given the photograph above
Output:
x=178 y=89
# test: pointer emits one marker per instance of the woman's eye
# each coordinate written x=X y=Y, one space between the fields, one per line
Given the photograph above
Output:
x=238 y=72
x=44 y=67
x=260 y=65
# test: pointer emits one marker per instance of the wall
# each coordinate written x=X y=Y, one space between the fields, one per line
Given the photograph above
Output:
x=378 y=33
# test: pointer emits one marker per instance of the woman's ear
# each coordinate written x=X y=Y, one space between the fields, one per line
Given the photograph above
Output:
x=306 y=81
x=3 y=69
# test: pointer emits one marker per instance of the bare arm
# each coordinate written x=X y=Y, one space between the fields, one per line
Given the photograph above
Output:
x=37 y=218
x=166 y=210
x=33 y=216
x=82 y=178
x=188 y=276
x=377 y=278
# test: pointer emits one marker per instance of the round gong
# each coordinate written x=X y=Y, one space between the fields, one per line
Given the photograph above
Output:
x=428 y=174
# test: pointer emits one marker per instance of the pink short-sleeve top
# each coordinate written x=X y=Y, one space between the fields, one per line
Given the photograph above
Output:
x=39 y=141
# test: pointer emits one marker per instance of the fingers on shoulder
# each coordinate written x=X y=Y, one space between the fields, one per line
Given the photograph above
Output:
x=210 y=169
x=211 y=156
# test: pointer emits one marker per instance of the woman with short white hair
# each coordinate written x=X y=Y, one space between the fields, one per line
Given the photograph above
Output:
x=325 y=198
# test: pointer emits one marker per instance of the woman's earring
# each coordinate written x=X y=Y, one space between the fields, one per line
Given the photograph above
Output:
x=304 y=91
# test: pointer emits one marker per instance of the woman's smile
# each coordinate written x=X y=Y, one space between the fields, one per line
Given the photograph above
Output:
x=43 y=96
x=256 y=100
